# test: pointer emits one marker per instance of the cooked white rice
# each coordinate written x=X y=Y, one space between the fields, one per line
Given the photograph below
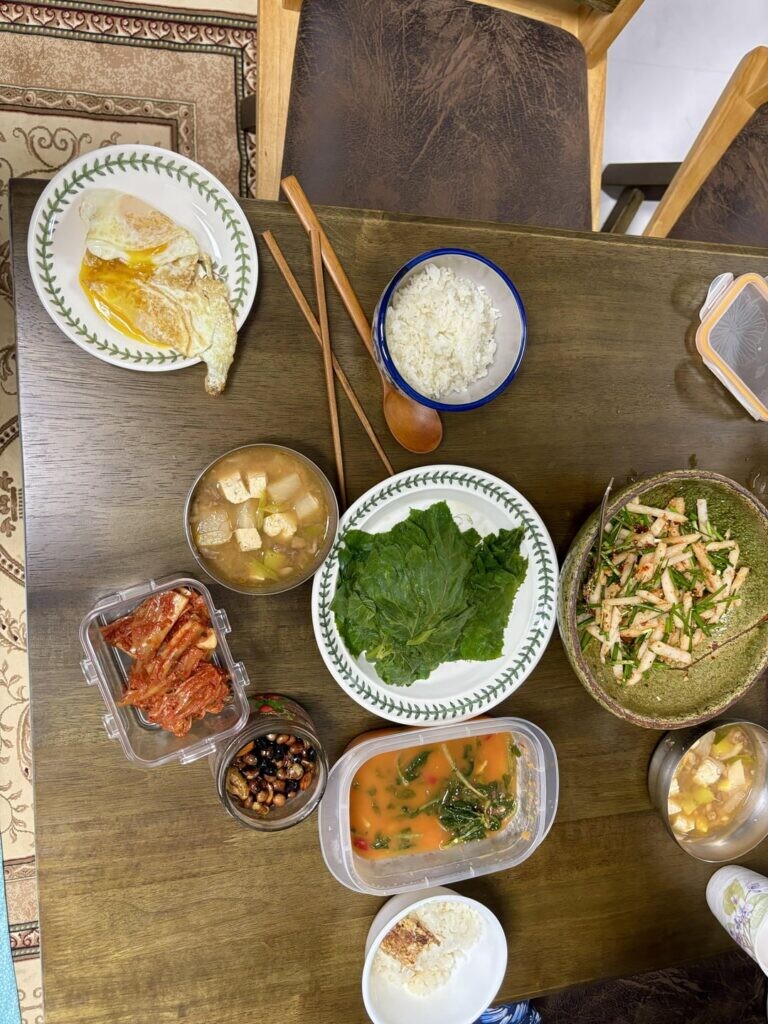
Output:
x=457 y=926
x=440 y=331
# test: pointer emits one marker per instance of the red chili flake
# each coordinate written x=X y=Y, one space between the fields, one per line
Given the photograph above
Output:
x=361 y=844
x=431 y=780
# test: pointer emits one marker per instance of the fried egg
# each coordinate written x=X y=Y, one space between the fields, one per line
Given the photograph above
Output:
x=147 y=277
x=124 y=227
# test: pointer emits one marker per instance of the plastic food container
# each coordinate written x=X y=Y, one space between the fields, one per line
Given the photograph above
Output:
x=272 y=713
x=144 y=743
x=733 y=338
x=536 y=806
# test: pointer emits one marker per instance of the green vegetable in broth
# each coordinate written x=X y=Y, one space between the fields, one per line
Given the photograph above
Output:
x=412 y=770
x=425 y=593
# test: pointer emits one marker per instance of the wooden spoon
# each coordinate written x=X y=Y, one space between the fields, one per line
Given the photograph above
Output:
x=414 y=426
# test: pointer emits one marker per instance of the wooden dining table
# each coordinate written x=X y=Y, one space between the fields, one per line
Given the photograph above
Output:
x=157 y=907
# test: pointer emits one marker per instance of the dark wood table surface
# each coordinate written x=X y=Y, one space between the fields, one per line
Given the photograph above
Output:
x=155 y=906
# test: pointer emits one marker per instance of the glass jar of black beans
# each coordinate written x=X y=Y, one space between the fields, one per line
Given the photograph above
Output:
x=272 y=774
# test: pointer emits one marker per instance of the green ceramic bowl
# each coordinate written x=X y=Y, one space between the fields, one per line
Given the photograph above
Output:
x=668 y=699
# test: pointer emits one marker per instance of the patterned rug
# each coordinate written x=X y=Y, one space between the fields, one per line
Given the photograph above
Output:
x=75 y=77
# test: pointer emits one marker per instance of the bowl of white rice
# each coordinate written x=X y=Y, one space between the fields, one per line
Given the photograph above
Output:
x=434 y=957
x=449 y=330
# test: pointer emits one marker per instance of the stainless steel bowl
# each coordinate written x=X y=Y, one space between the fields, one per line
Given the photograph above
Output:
x=278 y=587
x=751 y=826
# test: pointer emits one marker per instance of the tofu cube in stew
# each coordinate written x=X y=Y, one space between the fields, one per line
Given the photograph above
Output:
x=709 y=771
x=233 y=488
x=280 y=524
x=735 y=779
x=248 y=539
x=683 y=824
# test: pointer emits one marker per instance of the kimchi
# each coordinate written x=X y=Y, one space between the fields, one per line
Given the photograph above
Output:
x=173 y=679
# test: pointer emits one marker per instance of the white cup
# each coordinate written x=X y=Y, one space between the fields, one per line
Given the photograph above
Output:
x=738 y=898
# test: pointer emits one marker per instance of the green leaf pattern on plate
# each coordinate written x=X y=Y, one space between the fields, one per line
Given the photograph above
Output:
x=540 y=563
x=103 y=166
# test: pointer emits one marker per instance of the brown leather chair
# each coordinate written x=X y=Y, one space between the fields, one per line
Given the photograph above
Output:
x=720 y=191
x=449 y=108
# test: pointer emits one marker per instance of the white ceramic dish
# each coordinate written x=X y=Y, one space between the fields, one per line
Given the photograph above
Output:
x=510 y=333
x=468 y=993
x=461 y=689
x=178 y=187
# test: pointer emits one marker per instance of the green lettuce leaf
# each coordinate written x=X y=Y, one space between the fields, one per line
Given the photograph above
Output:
x=425 y=592
x=498 y=571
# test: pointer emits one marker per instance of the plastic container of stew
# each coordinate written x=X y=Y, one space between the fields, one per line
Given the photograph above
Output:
x=537 y=791
x=146 y=744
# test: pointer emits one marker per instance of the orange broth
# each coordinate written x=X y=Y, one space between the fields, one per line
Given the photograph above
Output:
x=383 y=791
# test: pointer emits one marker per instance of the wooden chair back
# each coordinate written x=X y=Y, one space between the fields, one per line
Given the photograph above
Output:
x=742 y=98
x=278 y=27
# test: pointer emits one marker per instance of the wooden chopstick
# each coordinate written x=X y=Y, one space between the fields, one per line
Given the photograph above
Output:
x=301 y=301
x=296 y=196
x=325 y=341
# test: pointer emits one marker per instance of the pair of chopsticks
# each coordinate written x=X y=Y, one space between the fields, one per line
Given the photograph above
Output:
x=325 y=344
x=320 y=329
x=322 y=332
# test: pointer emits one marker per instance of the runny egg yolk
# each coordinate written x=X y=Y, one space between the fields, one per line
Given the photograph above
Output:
x=116 y=290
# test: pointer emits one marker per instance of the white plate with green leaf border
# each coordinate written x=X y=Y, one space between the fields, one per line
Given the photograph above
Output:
x=460 y=689
x=175 y=185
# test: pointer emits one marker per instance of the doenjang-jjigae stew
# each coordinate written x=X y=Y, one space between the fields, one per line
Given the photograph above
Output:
x=259 y=515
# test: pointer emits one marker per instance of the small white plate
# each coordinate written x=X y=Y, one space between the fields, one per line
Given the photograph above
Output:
x=469 y=992
x=177 y=186
x=460 y=689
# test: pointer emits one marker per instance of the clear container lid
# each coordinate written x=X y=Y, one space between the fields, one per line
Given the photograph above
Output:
x=733 y=338
x=144 y=743
x=537 y=790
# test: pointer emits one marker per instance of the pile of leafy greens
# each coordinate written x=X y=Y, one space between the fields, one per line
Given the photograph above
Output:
x=425 y=593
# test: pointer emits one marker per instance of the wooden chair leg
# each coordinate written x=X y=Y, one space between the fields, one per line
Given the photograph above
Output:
x=623 y=213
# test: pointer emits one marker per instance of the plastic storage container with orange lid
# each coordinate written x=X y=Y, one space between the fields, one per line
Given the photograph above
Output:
x=733 y=338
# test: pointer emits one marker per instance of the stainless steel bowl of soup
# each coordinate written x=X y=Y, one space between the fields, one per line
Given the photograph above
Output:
x=261 y=519
x=710 y=786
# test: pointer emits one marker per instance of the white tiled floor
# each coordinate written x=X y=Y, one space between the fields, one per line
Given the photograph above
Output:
x=665 y=73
